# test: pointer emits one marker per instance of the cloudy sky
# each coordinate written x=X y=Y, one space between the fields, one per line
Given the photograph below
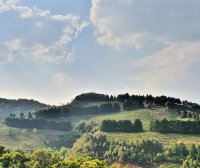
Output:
x=52 y=50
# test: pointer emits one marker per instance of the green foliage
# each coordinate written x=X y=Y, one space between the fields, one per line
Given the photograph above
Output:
x=175 y=126
x=100 y=147
x=178 y=153
x=83 y=127
x=121 y=126
x=137 y=126
x=63 y=140
x=47 y=159
x=23 y=122
x=131 y=105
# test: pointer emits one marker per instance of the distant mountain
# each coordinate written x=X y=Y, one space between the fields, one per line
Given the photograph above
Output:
x=8 y=106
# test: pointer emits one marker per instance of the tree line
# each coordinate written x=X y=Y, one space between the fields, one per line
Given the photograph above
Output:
x=160 y=100
x=188 y=114
x=121 y=126
x=175 y=126
x=75 y=109
x=37 y=123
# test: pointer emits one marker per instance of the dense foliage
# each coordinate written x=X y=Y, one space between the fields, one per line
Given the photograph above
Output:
x=23 y=122
x=75 y=109
x=46 y=159
x=121 y=126
x=100 y=147
x=143 y=152
x=83 y=127
x=98 y=151
x=175 y=126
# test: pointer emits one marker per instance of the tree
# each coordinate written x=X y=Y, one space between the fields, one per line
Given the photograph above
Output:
x=116 y=107
x=168 y=104
x=29 y=116
x=128 y=105
x=22 y=116
x=137 y=126
x=193 y=152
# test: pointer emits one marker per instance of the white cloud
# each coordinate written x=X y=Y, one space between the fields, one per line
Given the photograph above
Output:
x=13 y=45
x=25 y=12
x=7 y=50
x=61 y=79
x=6 y=57
x=51 y=54
x=6 y=5
x=50 y=37
x=137 y=23
x=175 y=65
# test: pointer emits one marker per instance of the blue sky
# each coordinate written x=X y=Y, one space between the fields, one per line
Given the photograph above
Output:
x=53 y=50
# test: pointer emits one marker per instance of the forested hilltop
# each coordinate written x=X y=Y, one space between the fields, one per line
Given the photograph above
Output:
x=8 y=106
x=94 y=103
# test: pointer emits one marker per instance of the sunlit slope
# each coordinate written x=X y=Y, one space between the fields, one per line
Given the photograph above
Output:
x=145 y=115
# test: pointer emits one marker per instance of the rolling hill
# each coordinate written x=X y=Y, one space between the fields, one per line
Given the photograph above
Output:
x=8 y=106
x=91 y=109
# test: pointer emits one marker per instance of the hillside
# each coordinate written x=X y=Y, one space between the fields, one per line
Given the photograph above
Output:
x=77 y=127
x=8 y=106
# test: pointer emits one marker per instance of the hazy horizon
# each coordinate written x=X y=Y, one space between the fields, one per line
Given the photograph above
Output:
x=51 y=51
x=69 y=99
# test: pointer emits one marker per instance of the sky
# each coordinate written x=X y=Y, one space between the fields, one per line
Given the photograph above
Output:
x=53 y=50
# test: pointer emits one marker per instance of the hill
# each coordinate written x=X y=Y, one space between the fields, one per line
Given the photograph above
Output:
x=94 y=103
x=8 y=106
x=86 y=114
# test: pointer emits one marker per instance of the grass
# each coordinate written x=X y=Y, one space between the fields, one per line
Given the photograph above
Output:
x=145 y=115
x=14 y=138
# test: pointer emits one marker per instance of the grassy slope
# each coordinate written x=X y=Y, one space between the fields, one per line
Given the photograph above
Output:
x=146 y=116
x=14 y=138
